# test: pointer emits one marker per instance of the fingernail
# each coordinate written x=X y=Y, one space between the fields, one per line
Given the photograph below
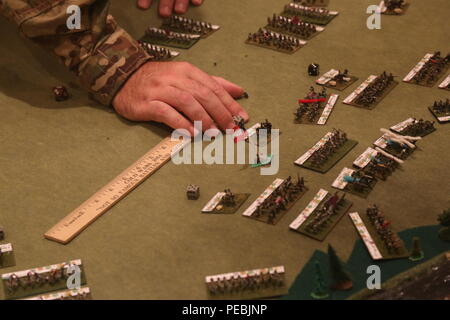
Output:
x=180 y=7
x=166 y=11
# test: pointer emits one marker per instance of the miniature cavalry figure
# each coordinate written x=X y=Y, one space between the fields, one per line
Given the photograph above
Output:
x=391 y=5
x=381 y=225
x=336 y=140
x=280 y=198
x=323 y=214
x=311 y=110
x=374 y=90
x=359 y=180
x=441 y=108
x=341 y=77
x=381 y=166
x=186 y=25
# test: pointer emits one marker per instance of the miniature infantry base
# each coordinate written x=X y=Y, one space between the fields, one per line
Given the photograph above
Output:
x=83 y=293
x=429 y=70
x=315 y=108
x=445 y=84
x=169 y=38
x=320 y=16
x=413 y=127
x=371 y=91
x=313 y=3
x=189 y=26
x=393 y=7
x=398 y=150
x=276 y=200
x=321 y=215
x=377 y=163
x=376 y=232
x=225 y=202
x=250 y=284
x=335 y=79
x=441 y=110
x=293 y=27
x=36 y=281
x=275 y=41
x=326 y=152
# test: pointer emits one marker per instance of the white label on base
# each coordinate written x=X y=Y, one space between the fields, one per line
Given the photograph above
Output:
x=6 y=248
x=363 y=160
x=212 y=204
x=172 y=33
x=61 y=294
x=381 y=142
x=445 y=83
x=402 y=125
x=360 y=89
x=417 y=68
x=339 y=183
x=275 y=184
x=444 y=119
x=328 y=108
x=244 y=274
x=365 y=236
x=40 y=270
x=309 y=209
x=327 y=76
x=311 y=151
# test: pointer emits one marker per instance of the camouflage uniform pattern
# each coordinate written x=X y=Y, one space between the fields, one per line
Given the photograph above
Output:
x=100 y=53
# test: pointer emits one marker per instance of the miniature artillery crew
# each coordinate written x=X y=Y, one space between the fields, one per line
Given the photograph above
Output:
x=187 y=25
x=165 y=35
x=360 y=181
x=295 y=26
x=280 y=198
x=316 y=13
x=156 y=53
x=322 y=216
x=334 y=142
x=432 y=69
x=374 y=90
x=381 y=225
x=247 y=281
x=273 y=39
x=33 y=278
x=441 y=108
x=228 y=199
x=418 y=128
x=311 y=110
x=380 y=166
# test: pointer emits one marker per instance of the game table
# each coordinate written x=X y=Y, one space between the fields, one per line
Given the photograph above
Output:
x=156 y=244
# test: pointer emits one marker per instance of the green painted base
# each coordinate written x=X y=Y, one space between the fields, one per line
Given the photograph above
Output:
x=320 y=295
x=363 y=193
x=7 y=260
x=264 y=162
x=342 y=208
x=419 y=257
x=333 y=159
x=296 y=35
x=181 y=30
x=169 y=43
x=259 y=293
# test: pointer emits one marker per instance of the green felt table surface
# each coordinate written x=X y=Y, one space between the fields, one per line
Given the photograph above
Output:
x=155 y=244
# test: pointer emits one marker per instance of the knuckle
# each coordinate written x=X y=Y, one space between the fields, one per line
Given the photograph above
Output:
x=185 y=99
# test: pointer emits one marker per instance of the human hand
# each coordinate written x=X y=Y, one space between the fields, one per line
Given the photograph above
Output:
x=166 y=7
x=178 y=93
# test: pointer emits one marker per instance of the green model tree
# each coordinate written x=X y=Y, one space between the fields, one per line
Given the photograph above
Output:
x=444 y=220
x=341 y=279
x=416 y=251
x=320 y=291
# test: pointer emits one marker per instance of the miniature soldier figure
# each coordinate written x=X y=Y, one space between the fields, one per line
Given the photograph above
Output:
x=2 y=233
x=313 y=69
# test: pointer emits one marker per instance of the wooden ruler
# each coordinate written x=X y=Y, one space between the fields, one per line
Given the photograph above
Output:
x=79 y=219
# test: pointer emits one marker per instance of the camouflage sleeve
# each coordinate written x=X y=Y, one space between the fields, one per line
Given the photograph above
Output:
x=100 y=52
